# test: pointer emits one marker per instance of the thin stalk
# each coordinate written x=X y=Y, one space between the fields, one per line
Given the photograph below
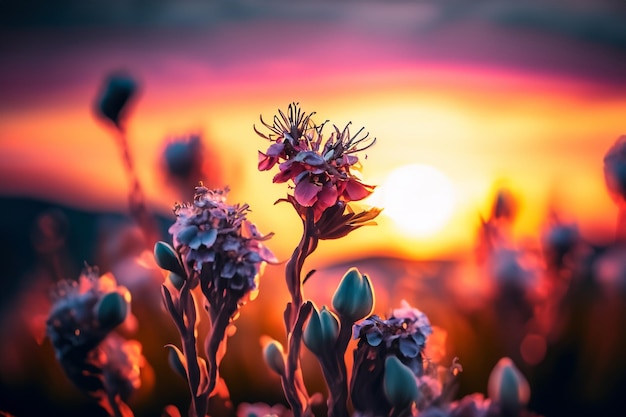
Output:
x=136 y=197
x=199 y=401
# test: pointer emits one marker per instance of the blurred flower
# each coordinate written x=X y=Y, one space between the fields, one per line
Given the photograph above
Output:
x=615 y=169
x=430 y=388
x=80 y=325
x=472 y=405
x=122 y=361
x=262 y=410
x=74 y=323
x=216 y=240
x=504 y=206
x=507 y=268
x=559 y=240
x=183 y=157
x=118 y=90
x=322 y=174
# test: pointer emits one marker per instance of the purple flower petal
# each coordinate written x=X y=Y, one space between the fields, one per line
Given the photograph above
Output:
x=306 y=193
x=229 y=270
x=208 y=237
x=408 y=347
x=375 y=338
x=186 y=234
x=275 y=149
x=310 y=158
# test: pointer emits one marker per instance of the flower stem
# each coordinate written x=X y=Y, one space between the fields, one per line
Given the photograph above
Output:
x=298 y=312
x=136 y=197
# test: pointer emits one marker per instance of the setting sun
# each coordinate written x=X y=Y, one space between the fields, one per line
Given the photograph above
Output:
x=419 y=199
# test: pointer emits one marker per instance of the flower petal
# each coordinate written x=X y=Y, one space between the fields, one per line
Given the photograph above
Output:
x=327 y=197
x=356 y=190
x=208 y=237
x=266 y=162
x=310 y=158
x=186 y=234
x=408 y=347
x=306 y=193
x=276 y=149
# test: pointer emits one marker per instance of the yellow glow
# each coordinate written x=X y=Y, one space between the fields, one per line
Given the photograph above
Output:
x=418 y=198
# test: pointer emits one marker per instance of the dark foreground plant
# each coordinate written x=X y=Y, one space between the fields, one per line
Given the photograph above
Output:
x=80 y=326
x=321 y=174
x=218 y=250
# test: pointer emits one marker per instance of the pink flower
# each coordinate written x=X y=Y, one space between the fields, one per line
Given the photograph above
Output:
x=322 y=175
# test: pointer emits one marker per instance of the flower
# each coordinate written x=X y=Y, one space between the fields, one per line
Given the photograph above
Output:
x=183 y=157
x=321 y=171
x=615 y=169
x=117 y=91
x=80 y=325
x=216 y=241
x=404 y=334
x=262 y=410
x=472 y=405
x=122 y=361
x=74 y=323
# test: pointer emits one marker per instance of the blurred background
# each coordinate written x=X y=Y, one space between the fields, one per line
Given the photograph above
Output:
x=492 y=120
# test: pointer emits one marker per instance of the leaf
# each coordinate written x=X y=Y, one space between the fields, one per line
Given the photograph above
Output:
x=177 y=360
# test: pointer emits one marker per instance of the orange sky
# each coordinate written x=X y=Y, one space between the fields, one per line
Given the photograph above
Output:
x=541 y=133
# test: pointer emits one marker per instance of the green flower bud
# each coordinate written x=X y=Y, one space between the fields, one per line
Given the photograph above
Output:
x=176 y=280
x=112 y=310
x=507 y=386
x=321 y=331
x=167 y=258
x=354 y=297
x=399 y=383
x=274 y=357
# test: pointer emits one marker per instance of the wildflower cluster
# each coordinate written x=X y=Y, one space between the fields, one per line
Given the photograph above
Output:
x=218 y=243
x=403 y=334
x=80 y=326
x=219 y=250
x=218 y=254
x=402 y=337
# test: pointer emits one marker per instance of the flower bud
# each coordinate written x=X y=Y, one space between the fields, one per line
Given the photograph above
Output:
x=274 y=357
x=321 y=331
x=167 y=258
x=615 y=170
x=117 y=92
x=507 y=386
x=354 y=297
x=112 y=310
x=399 y=383
x=176 y=360
x=176 y=280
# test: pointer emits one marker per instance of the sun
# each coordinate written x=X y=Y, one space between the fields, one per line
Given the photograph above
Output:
x=419 y=199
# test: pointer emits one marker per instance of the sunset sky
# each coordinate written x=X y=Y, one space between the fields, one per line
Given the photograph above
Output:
x=529 y=96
